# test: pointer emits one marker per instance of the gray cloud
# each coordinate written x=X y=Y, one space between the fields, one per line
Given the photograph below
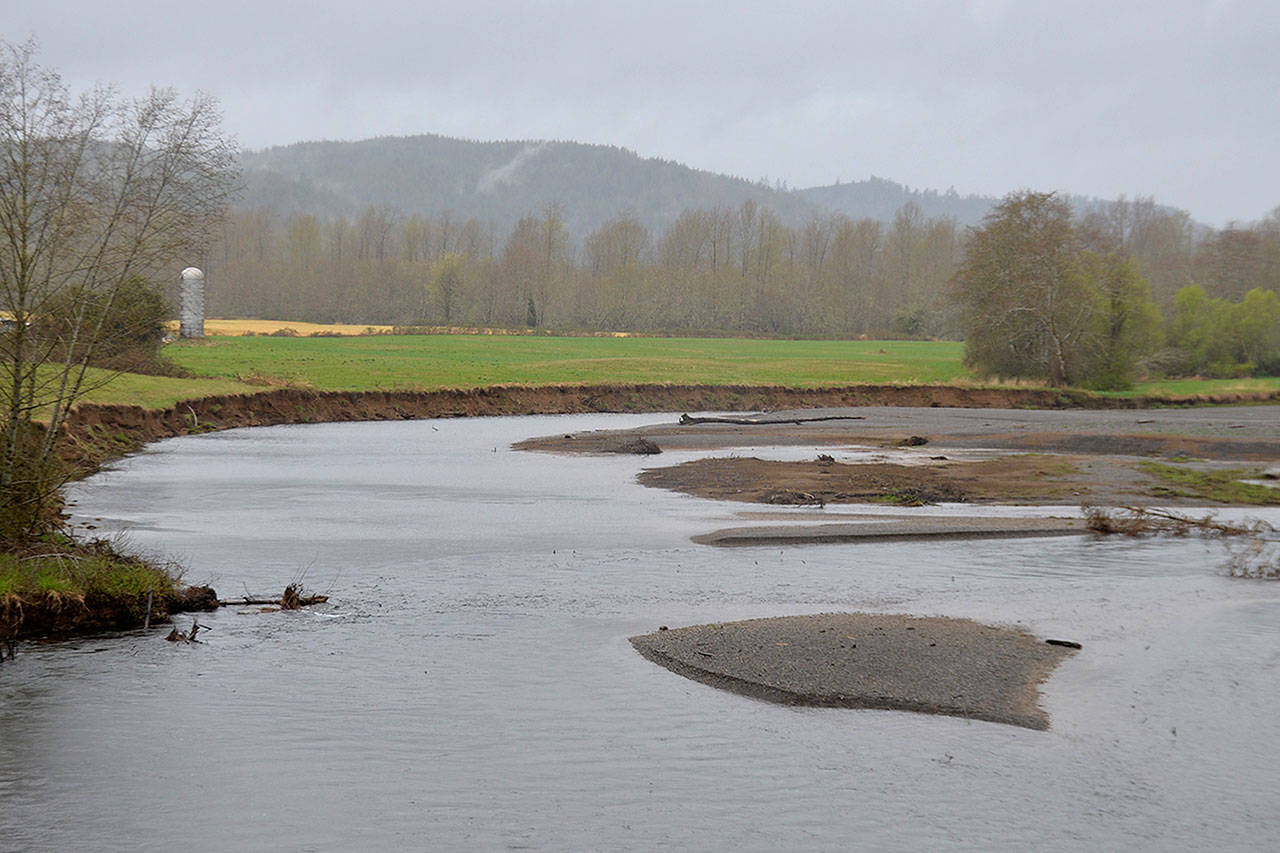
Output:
x=1174 y=99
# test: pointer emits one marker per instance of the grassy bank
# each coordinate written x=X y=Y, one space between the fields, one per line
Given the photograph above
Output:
x=59 y=586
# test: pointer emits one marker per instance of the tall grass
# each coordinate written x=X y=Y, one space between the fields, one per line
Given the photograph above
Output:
x=77 y=571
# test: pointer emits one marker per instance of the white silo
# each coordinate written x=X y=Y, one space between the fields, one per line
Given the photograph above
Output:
x=191 y=304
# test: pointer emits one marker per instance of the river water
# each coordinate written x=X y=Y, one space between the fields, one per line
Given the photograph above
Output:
x=470 y=684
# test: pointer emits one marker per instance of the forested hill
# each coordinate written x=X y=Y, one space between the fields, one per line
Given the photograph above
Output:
x=499 y=182
x=877 y=198
x=494 y=182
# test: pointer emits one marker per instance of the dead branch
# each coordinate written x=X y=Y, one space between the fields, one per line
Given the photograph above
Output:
x=1144 y=521
x=176 y=636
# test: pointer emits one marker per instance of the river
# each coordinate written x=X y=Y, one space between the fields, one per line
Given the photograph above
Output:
x=470 y=684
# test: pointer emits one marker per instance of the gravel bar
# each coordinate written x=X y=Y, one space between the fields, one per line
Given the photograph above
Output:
x=934 y=665
x=881 y=531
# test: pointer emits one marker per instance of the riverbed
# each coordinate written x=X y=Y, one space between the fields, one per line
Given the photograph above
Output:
x=470 y=684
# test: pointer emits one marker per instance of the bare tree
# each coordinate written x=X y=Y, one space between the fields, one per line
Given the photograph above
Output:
x=96 y=191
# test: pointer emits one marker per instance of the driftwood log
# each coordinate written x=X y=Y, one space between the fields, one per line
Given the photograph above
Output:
x=292 y=598
x=686 y=420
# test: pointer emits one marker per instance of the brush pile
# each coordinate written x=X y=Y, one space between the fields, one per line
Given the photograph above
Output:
x=1254 y=552
x=1144 y=521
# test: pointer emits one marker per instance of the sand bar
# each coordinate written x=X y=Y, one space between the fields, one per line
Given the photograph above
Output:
x=954 y=667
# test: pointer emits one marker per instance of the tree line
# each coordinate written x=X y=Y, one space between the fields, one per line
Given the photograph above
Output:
x=722 y=270
x=1047 y=295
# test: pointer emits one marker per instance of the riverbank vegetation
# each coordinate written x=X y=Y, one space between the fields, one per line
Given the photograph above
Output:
x=57 y=585
x=98 y=194
x=1045 y=295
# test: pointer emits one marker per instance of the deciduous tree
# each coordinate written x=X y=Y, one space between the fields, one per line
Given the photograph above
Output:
x=1035 y=303
x=95 y=192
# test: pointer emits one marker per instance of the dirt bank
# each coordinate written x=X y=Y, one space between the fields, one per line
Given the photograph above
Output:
x=98 y=432
x=856 y=660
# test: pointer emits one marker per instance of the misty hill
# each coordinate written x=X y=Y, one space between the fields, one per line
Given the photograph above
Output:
x=499 y=182
x=496 y=182
x=877 y=198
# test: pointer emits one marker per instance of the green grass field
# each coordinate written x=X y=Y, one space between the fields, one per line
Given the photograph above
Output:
x=229 y=365
x=425 y=362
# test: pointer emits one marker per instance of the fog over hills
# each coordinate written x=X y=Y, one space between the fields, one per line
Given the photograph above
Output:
x=495 y=182
x=499 y=182
x=877 y=198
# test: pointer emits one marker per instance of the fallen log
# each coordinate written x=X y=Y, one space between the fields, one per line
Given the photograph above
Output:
x=303 y=601
x=686 y=420
x=292 y=598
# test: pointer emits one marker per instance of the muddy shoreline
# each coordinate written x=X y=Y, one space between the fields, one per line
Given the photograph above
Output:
x=95 y=433
x=913 y=456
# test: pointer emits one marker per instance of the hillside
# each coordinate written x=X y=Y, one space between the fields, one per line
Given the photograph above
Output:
x=877 y=198
x=500 y=182
x=496 y=182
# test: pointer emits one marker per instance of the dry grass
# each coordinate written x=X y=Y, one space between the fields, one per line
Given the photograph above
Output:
x=217 y=326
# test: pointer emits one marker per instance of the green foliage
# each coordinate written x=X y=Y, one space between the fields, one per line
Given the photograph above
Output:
x=1035 y=302
x=127 y=325
x=1125 y=323
x=1214 y=337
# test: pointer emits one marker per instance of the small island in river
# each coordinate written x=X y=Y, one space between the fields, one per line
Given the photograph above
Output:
x=858 y=660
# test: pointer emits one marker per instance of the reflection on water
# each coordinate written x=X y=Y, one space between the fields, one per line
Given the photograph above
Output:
x=470 y=684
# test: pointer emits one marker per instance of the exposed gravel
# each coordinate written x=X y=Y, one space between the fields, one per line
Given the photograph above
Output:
x=855 y=660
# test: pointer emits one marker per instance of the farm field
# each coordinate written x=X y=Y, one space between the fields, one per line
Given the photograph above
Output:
x=426 y=362
x=236 y=364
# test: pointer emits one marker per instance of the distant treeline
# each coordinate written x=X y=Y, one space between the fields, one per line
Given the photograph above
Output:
x=726 y=270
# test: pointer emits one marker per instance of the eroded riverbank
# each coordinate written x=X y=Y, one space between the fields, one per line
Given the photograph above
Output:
x=96 y=432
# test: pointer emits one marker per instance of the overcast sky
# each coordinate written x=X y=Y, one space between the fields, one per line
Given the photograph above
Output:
x=1179 y=100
